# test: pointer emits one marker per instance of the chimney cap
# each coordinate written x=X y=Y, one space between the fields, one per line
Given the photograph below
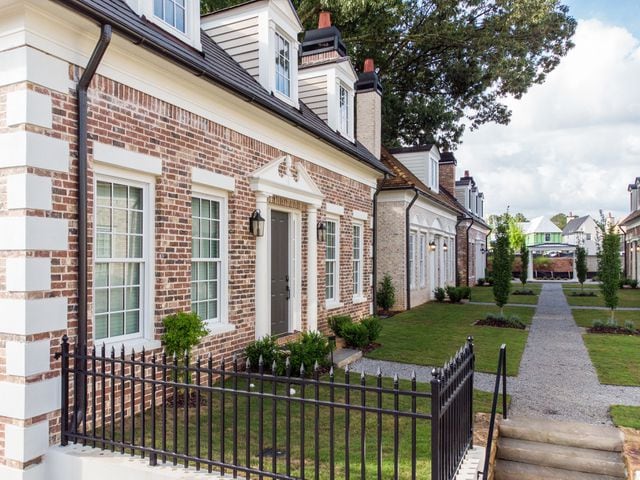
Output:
x=324 y=21
x=368 y=79
x=466 y=173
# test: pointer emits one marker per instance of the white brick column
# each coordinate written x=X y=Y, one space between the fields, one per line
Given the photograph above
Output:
x=263 y=310
x=312 y=268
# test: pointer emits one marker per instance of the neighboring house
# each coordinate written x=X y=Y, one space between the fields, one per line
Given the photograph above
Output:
x=139 y=206
x=540 y=231
x=583 y=231
x=472 y=230
x=630 y=228
x=416 y=225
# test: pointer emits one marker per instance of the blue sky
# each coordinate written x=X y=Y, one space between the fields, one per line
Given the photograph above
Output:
x=625 y=13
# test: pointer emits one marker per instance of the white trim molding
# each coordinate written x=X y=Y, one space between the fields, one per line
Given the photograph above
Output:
x=126 y=159
x=28 y=400
x=26 y=443
x=26 y=64
x=29 y=149
x=34 y=233
x=360 y=215
x=334 y=209
x=29 y=191
x=31 y=316
x=28 y=358
x=28 y=274
x=212 y=179
x=27 y=106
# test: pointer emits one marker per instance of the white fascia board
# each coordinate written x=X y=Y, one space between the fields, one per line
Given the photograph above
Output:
x=34 y=233
x=31 y=316
x=28 y=274
x=27 y=106
x=126 y=159
x=25 y=64
x=27 y=400
x=212 y=179
x=26 y=443
x=73 y=37
x=29 y=191
x=28 y=358
x=29 y=149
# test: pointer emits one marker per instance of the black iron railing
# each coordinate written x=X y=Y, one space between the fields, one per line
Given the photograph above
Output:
x=269 y=424
x=501 y=377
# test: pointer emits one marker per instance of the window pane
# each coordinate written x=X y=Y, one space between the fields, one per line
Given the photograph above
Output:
x=195 y=248
x=133 y=274
x=116 y=324
x=133 y=298
x=132 y=322
x=135 y=246
x=205 y=207
x=117 y=299
x=101 y=275
x=135 y=222
x=135 y=198
x=101 y=300
x=103 y=247
x=117 y=274
x=100 y=326
x=168 y=12
x=103 y=219
x=120 y=221
x=120 y=246
x=180 y=19
x=104 y=193
x=120 y=195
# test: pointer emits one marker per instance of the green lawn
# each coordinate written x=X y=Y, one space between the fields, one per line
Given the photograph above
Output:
x=576 y=286
x=327 y=441
x=627 y=298
x=624 y=416
x=485 y=294
x=585 y=318
x=616 y=358
x=431 y=333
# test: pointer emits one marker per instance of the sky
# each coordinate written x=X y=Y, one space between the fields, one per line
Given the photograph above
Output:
x=573 y=144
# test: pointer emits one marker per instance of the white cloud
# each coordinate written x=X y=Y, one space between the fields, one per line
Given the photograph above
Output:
x=574 y=142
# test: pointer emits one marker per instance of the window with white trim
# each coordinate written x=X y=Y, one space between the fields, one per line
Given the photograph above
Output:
x=357 y=259
x=344 y=110
x=412 y=262
x=547 y=237
x=283 y=65
x=207 y=260
x=172 y=12
x=120 y=257
x=433 y=184
x=422 y=259
x=332 y=261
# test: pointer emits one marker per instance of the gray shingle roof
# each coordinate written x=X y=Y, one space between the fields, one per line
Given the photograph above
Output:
x=214 y=64
x=573 y=225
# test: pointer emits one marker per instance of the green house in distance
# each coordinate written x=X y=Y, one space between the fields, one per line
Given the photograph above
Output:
x=541 y=230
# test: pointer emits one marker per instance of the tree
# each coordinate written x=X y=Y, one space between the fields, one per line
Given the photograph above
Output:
x=516 y=235
x=502 y=263
x=524 y=258
x=581 y=265
x=559 y=220
x=445 y=64
x=386 y=294
x=609 y=265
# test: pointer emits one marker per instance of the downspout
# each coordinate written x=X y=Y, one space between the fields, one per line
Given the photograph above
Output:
x=83 y=85
x=407 y=219
x=468 y=254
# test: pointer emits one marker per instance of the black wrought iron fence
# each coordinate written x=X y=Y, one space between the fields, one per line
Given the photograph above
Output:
x=262 y=424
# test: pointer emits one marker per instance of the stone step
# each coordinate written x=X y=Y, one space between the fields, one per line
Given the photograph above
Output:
x=570 y=434
x=562 y=457
x=346 y=356
x=506 y=470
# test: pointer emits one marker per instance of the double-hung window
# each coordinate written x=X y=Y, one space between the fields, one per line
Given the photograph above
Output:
x=172 y=12
x=422 y=259
x=283 y=65
x=434 y=174
x=344 y=109
x=120 y=259
x=331 y=262
x=357 y=259
x=206 y=262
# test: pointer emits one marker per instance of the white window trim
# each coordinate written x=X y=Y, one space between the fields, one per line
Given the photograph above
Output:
x=145 y=338
x=422 y=258
x=359 y=296
x=292 y=98
x=191 y=21
x=434 y=173
x=222 y=324
x=412 y=258
x=342 y=84
x=331 y=303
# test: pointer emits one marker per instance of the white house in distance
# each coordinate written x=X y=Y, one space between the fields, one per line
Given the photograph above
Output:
x=581 y=231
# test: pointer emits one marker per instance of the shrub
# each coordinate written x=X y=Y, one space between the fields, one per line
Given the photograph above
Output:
x=454 y=294
x=465 y=292
x=265 y=347
x=310 y=348
x=386 y=294
x=337 y=323
x=629 y=325
x=622 y=282
x=511 y=321
x=523 y=292
x=356 y=335
x=439 y=294
x=373 y=326
x=633 y=283
x=481 y=282
x=182 y=332
x=584 y=294
x=489 y=280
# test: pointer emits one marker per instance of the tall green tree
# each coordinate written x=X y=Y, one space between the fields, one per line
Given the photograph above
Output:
x=524 y=258
x=581 y=265
x=446 y=64
x=609 y=266
x=502 y=263
x=559 y=220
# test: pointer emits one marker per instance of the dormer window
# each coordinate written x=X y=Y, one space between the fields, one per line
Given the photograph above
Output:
x=283 y=65
x=172 y=12
x=435 y=174
x=344 y=110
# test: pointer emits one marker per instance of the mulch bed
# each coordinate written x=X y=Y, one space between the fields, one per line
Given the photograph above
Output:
x=371 y=347
x=583 y=294
x=613 y=330
x=496 y=323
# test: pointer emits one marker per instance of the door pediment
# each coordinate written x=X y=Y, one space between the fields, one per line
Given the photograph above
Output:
x=285 y=178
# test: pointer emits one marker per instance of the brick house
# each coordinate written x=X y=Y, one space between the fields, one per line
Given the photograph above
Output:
x=131 y=199
x=630 y=226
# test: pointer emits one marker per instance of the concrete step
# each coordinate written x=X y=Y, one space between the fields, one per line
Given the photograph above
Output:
x=346 y=356
x=506 y=470
x=562 y=457
x=570 y=434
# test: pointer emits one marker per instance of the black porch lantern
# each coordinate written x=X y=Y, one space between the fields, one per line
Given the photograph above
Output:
x=322 y=232
x=256 y=224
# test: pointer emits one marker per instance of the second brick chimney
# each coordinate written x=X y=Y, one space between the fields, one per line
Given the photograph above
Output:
x=447 y=170
x=369 y=109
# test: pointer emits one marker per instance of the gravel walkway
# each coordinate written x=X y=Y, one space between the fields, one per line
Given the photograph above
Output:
x=557 y=378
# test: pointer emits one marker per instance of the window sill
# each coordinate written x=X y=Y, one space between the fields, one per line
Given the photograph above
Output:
x=137 y=344
x=359 y=299
x=332 y=304
x=220 y=328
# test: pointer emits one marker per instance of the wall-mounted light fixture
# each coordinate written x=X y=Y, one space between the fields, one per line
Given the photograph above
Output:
x=432 y=246
x=256 y=224
x=445 y=247
x=322 y=231
x=638 y=248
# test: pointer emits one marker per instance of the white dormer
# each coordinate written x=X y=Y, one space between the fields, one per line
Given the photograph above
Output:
x=181 y=18
x=262 y=36
x=424 y=163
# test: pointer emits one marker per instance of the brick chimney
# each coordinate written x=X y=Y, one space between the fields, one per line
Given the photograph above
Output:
x=447 y=177
x=322 y=44
x=369 y=109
